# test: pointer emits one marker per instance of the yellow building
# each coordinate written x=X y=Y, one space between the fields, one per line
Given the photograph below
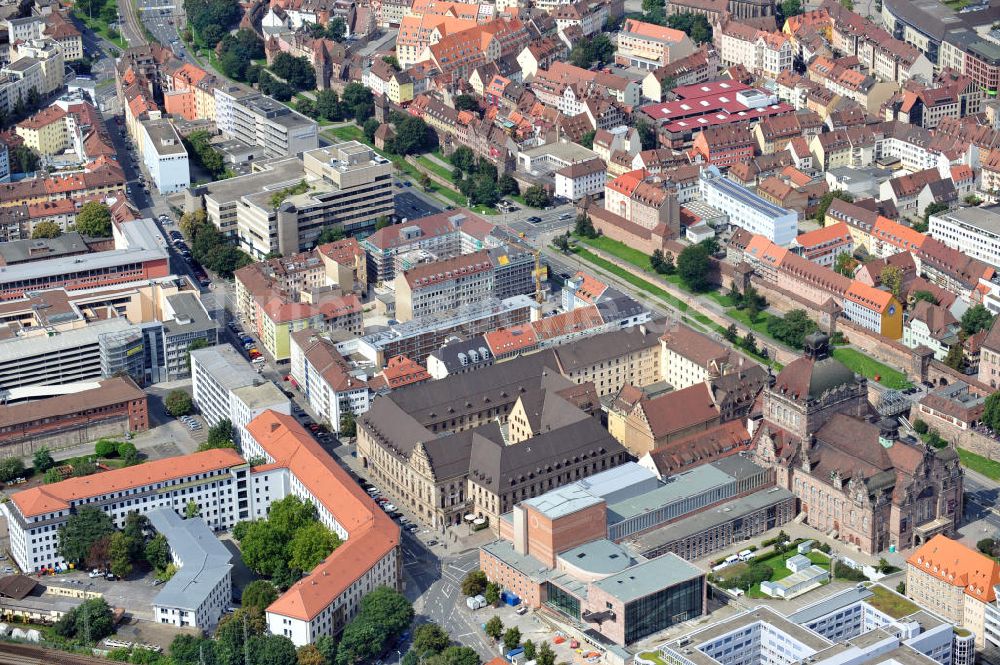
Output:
x=874 y=309
x=204 y=98
x=46 y=132
x=277 y=320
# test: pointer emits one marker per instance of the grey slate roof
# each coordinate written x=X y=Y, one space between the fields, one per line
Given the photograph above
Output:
x=206 y=561
x=587 y=351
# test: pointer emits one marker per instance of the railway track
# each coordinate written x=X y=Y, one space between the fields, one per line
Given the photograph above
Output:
x=12 y=653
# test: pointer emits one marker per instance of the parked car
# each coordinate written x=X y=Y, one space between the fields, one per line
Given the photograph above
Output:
x=534 y=219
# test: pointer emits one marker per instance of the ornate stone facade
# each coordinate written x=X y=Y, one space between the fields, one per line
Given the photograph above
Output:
x=855 y=478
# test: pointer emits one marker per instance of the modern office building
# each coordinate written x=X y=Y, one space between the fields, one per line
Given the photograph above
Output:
x=224 y=385
x=74 y=263
x=747 y=210
x=165 y=156
x=974 y=232
x=256 y=120
x=202 y=588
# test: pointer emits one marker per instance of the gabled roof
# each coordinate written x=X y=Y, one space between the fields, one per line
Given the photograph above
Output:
x=953 y=563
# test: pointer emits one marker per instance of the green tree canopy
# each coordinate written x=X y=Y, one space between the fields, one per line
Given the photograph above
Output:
x=696 y=26
x=46 y=229
x=157 y=552
x=826 y=200
x=81 y=530
x=229 y=636
x=94 y=220
x=430 y=638
x=694 y=267
x=792 y=328
x=474 y=583
x=178 y=403
x=259 y=594
x=536 y=197
x=220 y=435
x=310 y=545
x=121 y=562
x=99 y=621
x=42 y=460
x=192 y=650
x=976 y=318
x=494 y=627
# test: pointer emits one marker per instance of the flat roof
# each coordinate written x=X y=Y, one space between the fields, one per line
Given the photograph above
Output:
x=19 y=348
x=982 y=219
x=262 y=396
x=746 y=197
x=563 y=501
x=278 y=173
x=600 y=557
x=205 y=561
x=563 y=151
x=675 y=488
x=163 y=136
x=706 y=519
x=830 y=604
x=649 y=577
x=228 y=367
x=190 y=314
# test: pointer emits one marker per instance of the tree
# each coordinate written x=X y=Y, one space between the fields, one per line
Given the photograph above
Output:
x=106 y=448
x=121 y=561
x=845 y=264
x=220 y=435
x=178 y=403
x=991 y=412
x=732 y=333
x=42 y=460
x=328 y=105
x=309 y=654
x=790 y=8
x=921 y=427
x=975 y=319
x=492 y=593
x=924 y=295
x=23 y=159
x=356 y=94
x=826 y=200
x=46 y=229
x=191 y=509
x=536 y=197
x=695 y=25
x=330 y=234
x=327 y=647
x=94 y=220
x=412 y=136
x=384 y=614
x=956 y=357
x=391 y=61
x=892 y=278
x=511 y=638
x=587 y=140
x=348 y=425
x=474 y=583
x=295 y=70
x=229 y=636
x=310 y=545
x=11 y=468
x=455 y=655
x=52 y=476
x=430 y=638
x=694 y=266
x=986 y=546
x=901 y=588
x=494 y=627
x=561 y=243
x=128 y=453
x=508 y=185
x=792 y=328
x=336 y=29
x=933 y=209
x=259 y=594
x=91 y=621
x=157 y=552
x=656 y=260
x=371 y=126
x=749 y=342
x=463 y=159
x=466 y=103
x=546 y=656
x=529 y=650
x=425 y=182
x=192 y=650
x=647 y=133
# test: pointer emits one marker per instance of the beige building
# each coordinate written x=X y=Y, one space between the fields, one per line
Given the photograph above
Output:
x=612 y=360
x=441 y=286
x=688 y=357
x=957 y=582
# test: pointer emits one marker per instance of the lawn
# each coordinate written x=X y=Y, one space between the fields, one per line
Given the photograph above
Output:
x=758 y=325
x=634 y=280
x=891 y=603
x=621 y=250
x=348 y=133
x=652 y=657
x=870 y=368
x=979 y=464
x=777 y=565
x=434 y=167
x=103 y=29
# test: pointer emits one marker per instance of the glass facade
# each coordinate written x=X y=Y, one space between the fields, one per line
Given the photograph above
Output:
x=562 y=601
x=663 y=609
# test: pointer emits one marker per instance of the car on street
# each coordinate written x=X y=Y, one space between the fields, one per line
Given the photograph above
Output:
x=431 y=543
x=411 y=528
x=534 y=219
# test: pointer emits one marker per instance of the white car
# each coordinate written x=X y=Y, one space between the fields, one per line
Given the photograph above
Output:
x=389 y=508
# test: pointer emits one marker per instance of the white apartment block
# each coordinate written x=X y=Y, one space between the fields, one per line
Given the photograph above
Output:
x=217 y=480
x=324 y=376
x=227 y=490
x=165 y=156
x=330 y=596
x=688 y=358
x=257 y=120
x=973 y=231
x=581 y=179
x=225 y=385
x=747 y=210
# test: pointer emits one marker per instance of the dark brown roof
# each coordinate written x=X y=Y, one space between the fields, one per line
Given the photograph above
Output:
x=694 y=346
x=16 y=586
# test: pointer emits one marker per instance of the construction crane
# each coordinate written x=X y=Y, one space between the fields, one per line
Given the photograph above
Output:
x=539 y=270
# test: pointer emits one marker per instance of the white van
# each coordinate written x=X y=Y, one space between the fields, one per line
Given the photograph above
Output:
x=730 y=560
x=745 y=555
